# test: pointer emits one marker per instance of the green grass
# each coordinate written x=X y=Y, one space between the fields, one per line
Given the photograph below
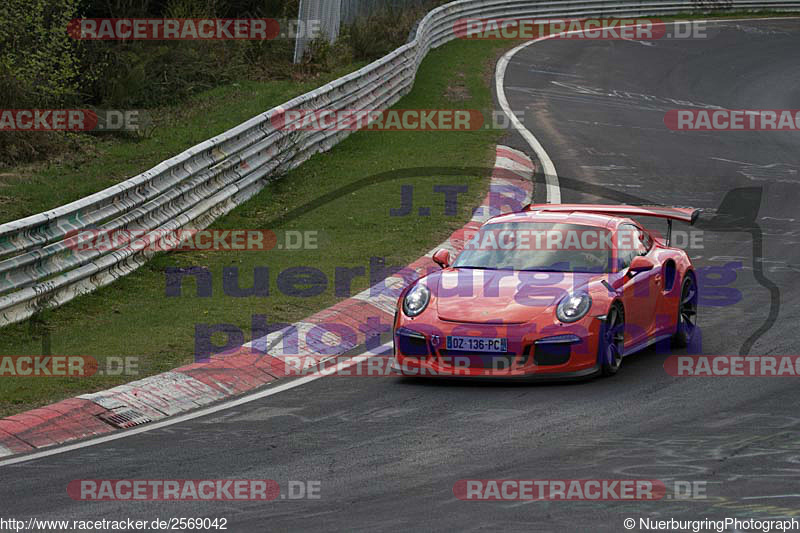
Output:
x=133 y=317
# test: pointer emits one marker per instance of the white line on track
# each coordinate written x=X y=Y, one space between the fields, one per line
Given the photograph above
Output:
x=772 y=497
x=552 y=187
x=382 y=350
x=550 y=174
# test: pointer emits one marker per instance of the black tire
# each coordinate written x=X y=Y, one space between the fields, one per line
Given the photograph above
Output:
x=687 y=313
x=612 y=341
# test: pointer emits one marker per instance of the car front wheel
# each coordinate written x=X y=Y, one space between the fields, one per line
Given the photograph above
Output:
x=612 y=342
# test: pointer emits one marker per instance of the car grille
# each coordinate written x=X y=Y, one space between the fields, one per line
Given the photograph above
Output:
x=411 y=343
x=551 y=354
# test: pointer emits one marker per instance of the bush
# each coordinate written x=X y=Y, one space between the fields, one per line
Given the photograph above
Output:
x=42 y=67
x=381 y=32
x=371 y=36
x=39 y=68
x=37 y=58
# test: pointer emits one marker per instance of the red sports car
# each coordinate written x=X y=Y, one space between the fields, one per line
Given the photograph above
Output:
x=553 y=291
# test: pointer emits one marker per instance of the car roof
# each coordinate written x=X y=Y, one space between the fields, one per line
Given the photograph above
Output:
x=599 y=220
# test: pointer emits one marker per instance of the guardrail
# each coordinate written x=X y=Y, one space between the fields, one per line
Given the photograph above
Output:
x=42 y=264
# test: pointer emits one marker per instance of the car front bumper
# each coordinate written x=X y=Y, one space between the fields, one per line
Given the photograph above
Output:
x=560 y=351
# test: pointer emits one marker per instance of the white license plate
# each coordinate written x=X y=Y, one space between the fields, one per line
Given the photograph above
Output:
x=477 y=344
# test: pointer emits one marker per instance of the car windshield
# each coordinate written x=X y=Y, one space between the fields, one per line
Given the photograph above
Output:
x=537 y=246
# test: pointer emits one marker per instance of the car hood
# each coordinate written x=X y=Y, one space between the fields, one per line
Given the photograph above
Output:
x=501 y=296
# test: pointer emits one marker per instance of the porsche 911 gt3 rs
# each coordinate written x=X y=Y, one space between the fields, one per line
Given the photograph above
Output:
x=553 y=291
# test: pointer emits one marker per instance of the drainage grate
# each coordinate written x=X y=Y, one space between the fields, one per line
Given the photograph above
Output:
x=125 y=418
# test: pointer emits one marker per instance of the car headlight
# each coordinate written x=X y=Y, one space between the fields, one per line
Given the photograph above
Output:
x=416 y=300
x=574 y=307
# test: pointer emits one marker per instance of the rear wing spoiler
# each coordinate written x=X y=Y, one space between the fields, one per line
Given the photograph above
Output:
x=684 y=214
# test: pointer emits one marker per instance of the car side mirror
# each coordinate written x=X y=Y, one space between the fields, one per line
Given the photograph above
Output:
x=442 y=258
x=641 y=263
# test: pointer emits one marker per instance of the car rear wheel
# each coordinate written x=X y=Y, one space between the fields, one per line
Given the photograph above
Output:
x=687 y=313
x=612 y=343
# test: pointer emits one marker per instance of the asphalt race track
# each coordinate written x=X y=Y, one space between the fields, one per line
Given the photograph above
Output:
x=388 y=451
